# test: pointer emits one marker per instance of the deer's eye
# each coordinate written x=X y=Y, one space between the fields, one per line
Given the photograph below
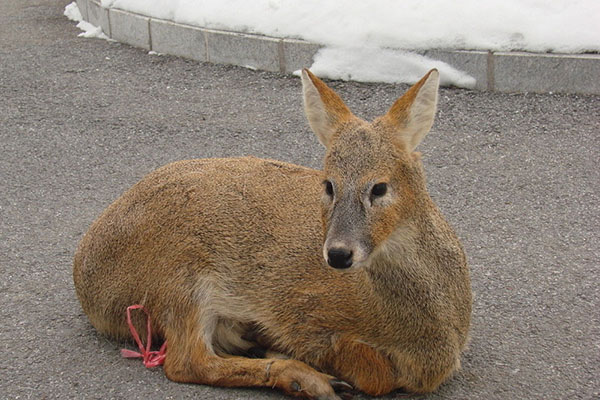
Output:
x=329 y=188
x=378 y=190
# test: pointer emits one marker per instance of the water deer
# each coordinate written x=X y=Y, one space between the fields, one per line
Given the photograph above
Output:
x=262 y=273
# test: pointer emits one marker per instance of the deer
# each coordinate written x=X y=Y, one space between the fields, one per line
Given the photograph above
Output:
x=262 y=273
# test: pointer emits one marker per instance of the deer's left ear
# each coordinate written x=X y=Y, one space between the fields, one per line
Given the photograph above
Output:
x=412 y=115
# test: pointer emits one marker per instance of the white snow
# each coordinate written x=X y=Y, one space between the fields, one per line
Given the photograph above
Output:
x=89 y=31
x=569 y=26
x=383 y=65
x=72 y=12
x=359 y=36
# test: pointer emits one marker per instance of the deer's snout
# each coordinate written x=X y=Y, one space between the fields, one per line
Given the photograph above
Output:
x=339 y=258
x=347 y=240
x=340 y=255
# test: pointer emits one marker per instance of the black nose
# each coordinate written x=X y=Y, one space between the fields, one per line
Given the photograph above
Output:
x=339 y=258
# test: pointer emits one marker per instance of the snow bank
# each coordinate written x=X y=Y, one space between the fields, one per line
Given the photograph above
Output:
x=359 y=35
x=569 y=26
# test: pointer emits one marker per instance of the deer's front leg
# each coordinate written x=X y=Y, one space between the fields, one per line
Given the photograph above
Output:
x=195 y=363
x=361 y=365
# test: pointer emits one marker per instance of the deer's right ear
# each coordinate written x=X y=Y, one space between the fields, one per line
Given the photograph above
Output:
x=324 y=109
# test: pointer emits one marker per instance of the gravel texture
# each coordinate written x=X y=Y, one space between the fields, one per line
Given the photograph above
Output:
x=81 y=120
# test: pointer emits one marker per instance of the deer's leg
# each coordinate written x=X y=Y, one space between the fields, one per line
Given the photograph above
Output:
x=362 y=366
x=374 y=373
x=190 y=359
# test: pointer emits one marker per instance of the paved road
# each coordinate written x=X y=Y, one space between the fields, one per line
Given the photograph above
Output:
x=82 y=119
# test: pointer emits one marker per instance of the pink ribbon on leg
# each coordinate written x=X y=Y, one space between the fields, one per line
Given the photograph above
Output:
x=150 y=358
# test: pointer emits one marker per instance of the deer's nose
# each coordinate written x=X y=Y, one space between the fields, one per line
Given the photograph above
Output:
x=339 y=258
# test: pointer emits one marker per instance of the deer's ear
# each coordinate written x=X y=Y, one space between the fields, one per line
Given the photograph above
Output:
x=412 y=115
x=324 y=109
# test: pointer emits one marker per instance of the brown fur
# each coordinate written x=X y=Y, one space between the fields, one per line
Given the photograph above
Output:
x=227 y=254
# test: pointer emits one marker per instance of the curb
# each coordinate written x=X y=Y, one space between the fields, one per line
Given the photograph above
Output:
x=506 y=72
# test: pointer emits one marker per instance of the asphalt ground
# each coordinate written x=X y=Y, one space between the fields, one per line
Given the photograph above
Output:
x=81 y=120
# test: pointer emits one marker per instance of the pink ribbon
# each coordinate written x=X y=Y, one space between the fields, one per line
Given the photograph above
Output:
x=150 y=358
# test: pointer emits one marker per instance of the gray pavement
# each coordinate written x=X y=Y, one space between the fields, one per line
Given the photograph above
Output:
x=81 y=120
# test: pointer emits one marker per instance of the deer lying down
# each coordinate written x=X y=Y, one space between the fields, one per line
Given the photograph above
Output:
x=350 y=272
